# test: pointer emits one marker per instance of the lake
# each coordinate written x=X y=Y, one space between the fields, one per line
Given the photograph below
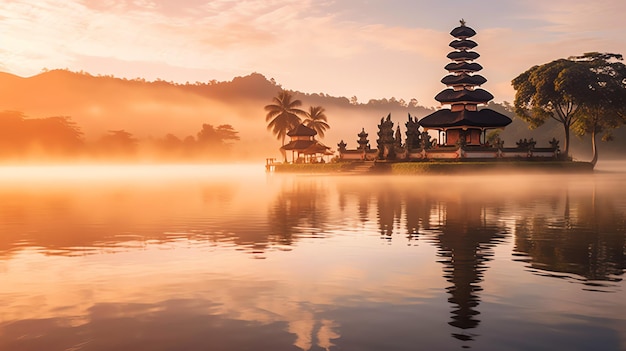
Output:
x=233 y=258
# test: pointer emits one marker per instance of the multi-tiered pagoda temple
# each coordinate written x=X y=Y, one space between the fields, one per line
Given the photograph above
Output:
x=463 y=123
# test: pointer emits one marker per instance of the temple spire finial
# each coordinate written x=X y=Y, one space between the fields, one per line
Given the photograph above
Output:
x=462 y=22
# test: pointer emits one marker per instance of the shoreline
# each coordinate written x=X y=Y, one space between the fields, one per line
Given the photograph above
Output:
x=441 y=167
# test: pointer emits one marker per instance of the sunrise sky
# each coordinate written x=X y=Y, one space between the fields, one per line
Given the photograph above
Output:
x=371 y=49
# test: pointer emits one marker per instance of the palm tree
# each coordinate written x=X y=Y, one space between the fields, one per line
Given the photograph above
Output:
x=316 y=119
x=283 y=115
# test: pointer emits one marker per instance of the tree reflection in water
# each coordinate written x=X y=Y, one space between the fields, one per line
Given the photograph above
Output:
x=83 y=219
x=565 y=232
x=583 y=241
x=301 y=208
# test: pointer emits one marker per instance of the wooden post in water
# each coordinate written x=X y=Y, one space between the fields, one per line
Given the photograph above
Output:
x=270 y=165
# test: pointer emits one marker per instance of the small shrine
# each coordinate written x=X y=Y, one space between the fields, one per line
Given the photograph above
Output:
x=463 y=123
x=303 y=146
x=363 y=152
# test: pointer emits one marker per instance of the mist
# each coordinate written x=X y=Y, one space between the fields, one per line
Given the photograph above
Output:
x=137 y=121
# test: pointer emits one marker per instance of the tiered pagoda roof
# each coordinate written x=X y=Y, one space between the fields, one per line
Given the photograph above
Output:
x=463 y=79
x=463 y=55
x=463 y=44
x=463 y=96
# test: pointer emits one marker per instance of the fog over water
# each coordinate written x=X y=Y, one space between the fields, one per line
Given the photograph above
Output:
x=228 y=257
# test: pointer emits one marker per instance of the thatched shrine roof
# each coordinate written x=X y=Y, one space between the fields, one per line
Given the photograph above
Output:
x=445 y=118
x=302 y=130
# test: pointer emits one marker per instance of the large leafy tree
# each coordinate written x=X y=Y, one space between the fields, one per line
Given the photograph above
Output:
x=283 y=114
x=316 y=119
x=50 y=136
x=599 y=79
x=544 y=92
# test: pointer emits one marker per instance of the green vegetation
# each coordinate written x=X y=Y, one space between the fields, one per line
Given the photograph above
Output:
x=540 y=95
x=283 y=115
x=316 y=119
x=486 y=167
x=603 y=98
x=445 y=167
x=313 y=167
x=61 y=139
x=587 y=93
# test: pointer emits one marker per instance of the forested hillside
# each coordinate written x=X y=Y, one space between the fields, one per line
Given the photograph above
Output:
x=200 y=121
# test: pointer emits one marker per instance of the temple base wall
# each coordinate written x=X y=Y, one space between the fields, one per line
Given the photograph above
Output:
x=448 y=153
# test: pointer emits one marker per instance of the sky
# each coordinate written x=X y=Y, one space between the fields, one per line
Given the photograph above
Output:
x=369 y=49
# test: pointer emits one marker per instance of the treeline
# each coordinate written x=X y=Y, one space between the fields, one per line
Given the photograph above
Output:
x=60 y=138
x=257 y=86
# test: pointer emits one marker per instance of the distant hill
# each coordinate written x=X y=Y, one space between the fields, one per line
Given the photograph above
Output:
x=153 y=109
x=98 y=104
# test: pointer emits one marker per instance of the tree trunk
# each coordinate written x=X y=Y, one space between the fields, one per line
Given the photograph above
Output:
x=565 y=153
x=594 y=149
x=282 y=151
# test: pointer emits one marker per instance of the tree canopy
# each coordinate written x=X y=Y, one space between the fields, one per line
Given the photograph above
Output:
x=586 y=93
x=603 y=97
x=283 y=114
x=218 y=137
x=54 y=136
x=59 y=138
x=542 y=94
x=316 y=119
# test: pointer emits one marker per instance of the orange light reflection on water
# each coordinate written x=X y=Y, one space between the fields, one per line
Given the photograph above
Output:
x=83 y=243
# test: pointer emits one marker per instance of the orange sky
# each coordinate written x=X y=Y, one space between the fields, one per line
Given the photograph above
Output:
x=371 y=49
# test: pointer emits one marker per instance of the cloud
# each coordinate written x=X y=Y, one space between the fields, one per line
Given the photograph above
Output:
x=243 y=31
x=305 y=45
x=569 y=17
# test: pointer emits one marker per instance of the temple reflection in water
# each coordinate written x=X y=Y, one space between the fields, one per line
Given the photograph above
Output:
x=579 y=236
x=465 y=238
x=462 y=226
x=348 y=261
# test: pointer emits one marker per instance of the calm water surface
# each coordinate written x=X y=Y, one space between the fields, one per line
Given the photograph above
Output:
x=232 y=258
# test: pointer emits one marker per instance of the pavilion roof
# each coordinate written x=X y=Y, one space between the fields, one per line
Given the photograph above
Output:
x=308 y=147
x=317 y=148
x=298 y=145
x=302 y=130
x=445 y=118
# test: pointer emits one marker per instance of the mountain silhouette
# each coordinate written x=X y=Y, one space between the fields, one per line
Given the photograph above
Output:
x=154 y=109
